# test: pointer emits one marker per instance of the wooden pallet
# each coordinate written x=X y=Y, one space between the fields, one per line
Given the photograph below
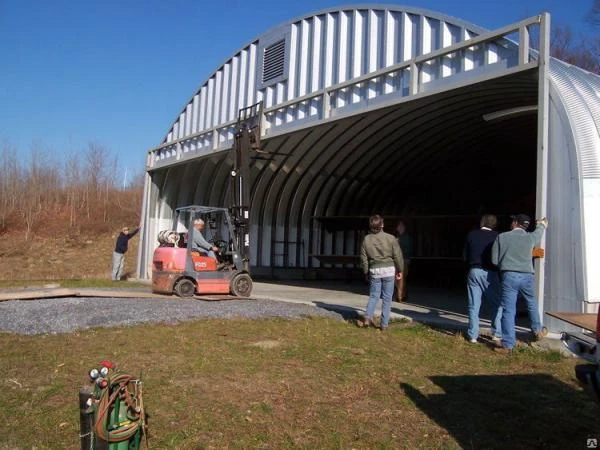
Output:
x=587 y=321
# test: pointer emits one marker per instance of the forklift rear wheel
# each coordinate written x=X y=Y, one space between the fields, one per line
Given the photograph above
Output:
x=241 y=285
x=185 y=288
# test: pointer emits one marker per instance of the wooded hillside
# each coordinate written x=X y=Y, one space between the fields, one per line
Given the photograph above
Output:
x=59 y=219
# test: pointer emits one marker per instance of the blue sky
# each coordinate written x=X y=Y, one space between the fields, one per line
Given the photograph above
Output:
x=117 y=73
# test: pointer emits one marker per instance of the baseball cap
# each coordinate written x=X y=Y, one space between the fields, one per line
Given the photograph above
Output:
x=522 y=219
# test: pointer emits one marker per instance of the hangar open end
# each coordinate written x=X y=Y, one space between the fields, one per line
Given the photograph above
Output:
x=403 y=112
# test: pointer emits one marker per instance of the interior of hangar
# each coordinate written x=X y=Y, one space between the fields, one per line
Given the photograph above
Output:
x=402 y=112
x=437 y=163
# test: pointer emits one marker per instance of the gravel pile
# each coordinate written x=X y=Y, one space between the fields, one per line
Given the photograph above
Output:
x=65 y=315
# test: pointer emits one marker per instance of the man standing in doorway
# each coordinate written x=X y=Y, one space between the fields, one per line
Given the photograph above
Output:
x=482 y=279
x=382 y=263
x=406 y=245
x=512 y=253
x=120 y=250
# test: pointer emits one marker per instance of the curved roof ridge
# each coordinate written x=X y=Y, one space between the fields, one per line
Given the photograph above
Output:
x=334 y=9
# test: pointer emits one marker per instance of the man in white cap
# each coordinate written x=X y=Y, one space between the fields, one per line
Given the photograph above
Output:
x=512 y=253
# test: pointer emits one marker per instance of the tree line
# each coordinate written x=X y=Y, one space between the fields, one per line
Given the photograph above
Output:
x=80 y=193
x=581 y=49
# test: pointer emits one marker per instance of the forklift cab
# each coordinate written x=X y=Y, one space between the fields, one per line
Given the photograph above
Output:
x=181 y=268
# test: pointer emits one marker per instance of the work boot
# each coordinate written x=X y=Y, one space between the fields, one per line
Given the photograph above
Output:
x=539 y=335
x=364 y=323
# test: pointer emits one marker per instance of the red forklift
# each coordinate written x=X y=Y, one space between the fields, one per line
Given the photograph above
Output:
x=177 y=267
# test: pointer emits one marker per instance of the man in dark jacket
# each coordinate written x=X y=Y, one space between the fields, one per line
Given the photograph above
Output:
x=120 y=250
x=482 y=279
x=382 y=262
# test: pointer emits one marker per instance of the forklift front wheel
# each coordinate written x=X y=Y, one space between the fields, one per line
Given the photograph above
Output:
x=241 y=285
x=185 y=288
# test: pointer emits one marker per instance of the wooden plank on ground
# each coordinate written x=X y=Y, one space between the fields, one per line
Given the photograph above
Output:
x=119 y=293
x=37 y=293
x=219 y=297
x=586 y=321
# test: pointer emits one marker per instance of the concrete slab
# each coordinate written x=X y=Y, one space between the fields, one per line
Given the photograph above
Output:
x=439 y=307
x=444 y=308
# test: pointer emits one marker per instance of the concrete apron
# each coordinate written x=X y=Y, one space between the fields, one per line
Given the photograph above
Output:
x=444 y=308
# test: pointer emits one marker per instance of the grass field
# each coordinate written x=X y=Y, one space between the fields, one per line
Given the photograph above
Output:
x=310 y=383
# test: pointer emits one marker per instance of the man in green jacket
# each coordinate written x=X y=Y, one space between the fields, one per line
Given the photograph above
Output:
x=382 y=263
x=512 y=253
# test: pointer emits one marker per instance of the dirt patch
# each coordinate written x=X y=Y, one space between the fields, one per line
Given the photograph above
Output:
x=60 y=257
x=266 y=344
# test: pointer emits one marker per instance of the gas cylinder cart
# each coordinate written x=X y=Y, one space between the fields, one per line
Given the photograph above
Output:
x=112 y=415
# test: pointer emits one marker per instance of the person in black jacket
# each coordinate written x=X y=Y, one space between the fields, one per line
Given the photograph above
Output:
x=120 y=250
x=482 y=280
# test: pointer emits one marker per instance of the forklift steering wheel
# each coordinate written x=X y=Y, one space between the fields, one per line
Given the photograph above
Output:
x=221 y=244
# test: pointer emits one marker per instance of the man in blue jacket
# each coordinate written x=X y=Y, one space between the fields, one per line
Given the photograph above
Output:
x=120 y=250
x=512 y=253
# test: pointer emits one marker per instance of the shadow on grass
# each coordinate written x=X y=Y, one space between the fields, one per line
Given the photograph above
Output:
x=347 y=312
x=512 y=411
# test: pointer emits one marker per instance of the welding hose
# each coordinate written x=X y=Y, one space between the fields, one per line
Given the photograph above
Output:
x=107 y=401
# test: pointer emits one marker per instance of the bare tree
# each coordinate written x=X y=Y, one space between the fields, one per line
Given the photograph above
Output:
x=593 y=16
x=9 y=182
x=31 y=190
x=74 y=194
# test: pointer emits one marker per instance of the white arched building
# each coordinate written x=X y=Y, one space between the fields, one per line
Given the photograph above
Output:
x=403 y=112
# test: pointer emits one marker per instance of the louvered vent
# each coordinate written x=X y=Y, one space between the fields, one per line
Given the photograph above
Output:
x=274 y=61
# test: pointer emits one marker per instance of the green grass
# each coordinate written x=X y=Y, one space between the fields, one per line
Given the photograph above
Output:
x=311 y=383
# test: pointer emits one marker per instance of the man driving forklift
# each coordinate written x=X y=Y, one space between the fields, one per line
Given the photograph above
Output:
x=200 y=244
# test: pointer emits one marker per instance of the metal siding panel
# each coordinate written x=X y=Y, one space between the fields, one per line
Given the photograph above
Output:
x=242 y=79
x=216 y=107
x=330 y=45
x=209 y=103
x=317 y=53
x=358 y=51
x=304 y=64
x=292 y=75
x=591 y=210
x=188 y=119
x=343 y=36
x=225 y=92
x=389 y=39
x=582 y=104
x=202 y=115
x=407 y=37
x=564 y=278
x=233 y=88
x=357 y=45
x=446 y=41
x=252 y=68
x=195 y=113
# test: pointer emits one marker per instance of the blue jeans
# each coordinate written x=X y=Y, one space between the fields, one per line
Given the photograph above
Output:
x=482 y=283
x=380 y=288
x=513 y=284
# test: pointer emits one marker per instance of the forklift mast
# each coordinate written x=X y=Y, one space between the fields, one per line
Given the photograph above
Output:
x=247 y=139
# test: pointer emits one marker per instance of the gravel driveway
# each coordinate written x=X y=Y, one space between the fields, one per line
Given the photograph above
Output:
x=65 y=315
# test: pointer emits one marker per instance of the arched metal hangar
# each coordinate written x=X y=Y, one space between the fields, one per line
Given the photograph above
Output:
x=402 y=112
